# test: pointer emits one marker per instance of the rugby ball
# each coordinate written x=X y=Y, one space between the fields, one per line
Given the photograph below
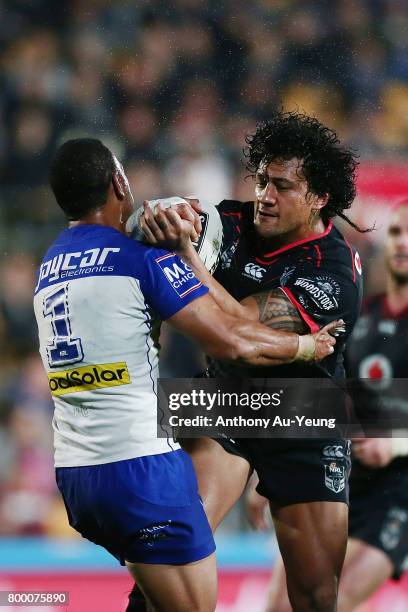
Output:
x=209 y=244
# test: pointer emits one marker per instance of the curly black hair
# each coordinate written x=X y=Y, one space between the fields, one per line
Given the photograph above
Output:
x=327 y=166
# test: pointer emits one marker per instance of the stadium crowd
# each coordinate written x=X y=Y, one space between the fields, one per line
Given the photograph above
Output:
x=173 y=88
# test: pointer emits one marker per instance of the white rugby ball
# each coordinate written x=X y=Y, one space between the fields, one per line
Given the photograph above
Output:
x=209 y=243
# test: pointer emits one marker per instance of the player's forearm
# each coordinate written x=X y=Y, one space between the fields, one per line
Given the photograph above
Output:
x=224 y=300
x=259 y=346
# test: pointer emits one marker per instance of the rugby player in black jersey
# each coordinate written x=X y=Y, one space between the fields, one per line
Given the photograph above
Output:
x=377 y=353
x=291 y=269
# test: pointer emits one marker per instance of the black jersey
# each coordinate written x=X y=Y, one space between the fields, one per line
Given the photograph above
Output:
x=321 y=276
x=376 y=354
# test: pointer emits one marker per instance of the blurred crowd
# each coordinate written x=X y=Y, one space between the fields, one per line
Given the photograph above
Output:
x=172 y=88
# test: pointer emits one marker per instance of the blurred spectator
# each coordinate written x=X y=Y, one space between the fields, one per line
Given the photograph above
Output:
x=146 y=181
x=30 y=147
x=27 y=483
x=17 y=287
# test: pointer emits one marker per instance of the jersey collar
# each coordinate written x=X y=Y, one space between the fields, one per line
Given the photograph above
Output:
x=300 y=242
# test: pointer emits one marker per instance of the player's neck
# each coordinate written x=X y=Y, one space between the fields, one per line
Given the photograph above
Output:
x=397 y=294
x=106 y=215
x=301 y=233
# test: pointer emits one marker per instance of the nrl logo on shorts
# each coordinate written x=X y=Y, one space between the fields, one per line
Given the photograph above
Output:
x=334 y=477
x=150 y=535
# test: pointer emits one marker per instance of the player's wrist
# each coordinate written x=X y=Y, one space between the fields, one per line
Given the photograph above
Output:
x=306 y=348
x=185 y=249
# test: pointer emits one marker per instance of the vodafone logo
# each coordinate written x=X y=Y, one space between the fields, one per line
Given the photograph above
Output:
x=254 y=271
x=376 y=371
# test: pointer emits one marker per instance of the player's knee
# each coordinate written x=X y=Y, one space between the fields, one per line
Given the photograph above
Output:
x=316 y=598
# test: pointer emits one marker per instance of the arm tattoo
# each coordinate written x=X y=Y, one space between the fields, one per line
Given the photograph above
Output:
x=277 y=312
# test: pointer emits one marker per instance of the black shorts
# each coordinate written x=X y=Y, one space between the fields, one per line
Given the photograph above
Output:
x=296 y=471
x=379 y=516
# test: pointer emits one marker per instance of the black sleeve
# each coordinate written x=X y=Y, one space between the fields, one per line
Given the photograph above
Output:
x=322 y=296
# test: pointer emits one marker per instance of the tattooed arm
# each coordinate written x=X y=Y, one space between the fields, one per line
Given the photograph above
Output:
x=275 y=310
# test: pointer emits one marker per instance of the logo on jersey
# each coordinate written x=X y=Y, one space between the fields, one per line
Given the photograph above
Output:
x=333 y=452
x=227 y=255
x=178 y=274
x=88 y=378
x=286 y=274
x=323 y=291
x=78 y=263
x=254 y=271
x=334 y=477
x=376 y=371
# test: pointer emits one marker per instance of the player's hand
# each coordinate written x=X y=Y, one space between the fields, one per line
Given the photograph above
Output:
x=166 y=229
x=315 y=347
x=190 y=212
x=373 y=452
x=256 y=507
x=325 y=339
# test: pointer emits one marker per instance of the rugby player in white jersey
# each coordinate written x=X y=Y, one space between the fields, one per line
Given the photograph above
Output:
x=99 y=300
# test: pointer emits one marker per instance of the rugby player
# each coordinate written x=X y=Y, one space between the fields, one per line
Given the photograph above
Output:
x=291 y=269
x=378 y=521
x=98 y=302
x=378 y=531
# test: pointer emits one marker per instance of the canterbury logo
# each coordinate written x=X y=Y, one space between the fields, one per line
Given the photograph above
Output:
x=254 y=270
x=333 y=452
x=88 y=378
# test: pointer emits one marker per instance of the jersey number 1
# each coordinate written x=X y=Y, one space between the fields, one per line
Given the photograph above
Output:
x=62 y=349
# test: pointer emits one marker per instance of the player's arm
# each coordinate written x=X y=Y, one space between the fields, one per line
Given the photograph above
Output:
x=225 y=337
x=275 y=310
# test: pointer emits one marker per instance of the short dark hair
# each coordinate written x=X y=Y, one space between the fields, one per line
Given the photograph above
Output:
x=80 y=175
x=327 y=166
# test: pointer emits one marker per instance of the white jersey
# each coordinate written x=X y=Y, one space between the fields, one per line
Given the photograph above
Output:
x=98 y=303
